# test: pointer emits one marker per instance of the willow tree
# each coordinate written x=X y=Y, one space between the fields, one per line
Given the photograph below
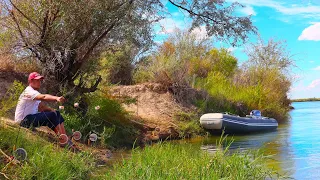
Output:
x=66 y=36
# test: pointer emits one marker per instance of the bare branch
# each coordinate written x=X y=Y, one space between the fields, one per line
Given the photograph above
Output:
x=192 y=12
x=95 y=43
x=24 y=15
x=19 y=29
x=90 y=89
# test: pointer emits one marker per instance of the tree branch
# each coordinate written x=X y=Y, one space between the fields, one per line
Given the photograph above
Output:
x=96 y=42
x=4 y=175
x=18 y=26
x=92 y=88
x=25 y=16
x=45 y=23
x=192 y=12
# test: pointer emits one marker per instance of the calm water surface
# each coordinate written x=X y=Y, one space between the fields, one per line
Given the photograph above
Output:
x=295 y=146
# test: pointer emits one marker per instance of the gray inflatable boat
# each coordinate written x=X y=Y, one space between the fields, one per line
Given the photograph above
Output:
x=217 y=122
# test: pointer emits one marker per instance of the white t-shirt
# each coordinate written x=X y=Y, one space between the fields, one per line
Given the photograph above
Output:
x=26 y=104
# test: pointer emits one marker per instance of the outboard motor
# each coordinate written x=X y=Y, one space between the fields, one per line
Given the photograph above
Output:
x=255 y=113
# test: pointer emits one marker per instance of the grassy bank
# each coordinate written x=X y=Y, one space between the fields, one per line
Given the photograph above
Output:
x=184 y=161
x=305 y=100
x=45 y=160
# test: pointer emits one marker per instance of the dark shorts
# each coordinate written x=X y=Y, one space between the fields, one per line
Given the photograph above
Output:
x=50 y=119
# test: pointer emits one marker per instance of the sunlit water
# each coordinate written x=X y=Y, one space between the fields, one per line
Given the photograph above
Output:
x=295 y=146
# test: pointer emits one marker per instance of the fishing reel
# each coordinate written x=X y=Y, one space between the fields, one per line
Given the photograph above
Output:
x=63 y=138
x=20 y=154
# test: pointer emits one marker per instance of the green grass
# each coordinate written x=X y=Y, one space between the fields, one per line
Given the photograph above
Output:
x=45 y=160
x=185 y=161
x=189 y=125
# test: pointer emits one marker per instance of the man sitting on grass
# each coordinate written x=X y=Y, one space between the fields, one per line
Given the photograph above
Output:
x=31 y=112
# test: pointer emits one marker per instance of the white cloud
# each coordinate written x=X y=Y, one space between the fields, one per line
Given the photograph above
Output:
x=305 y=91
x=231 y=49
x=311 y=33
x=248 y=10
x=283 y=7
x=317 y=68
x=169 y=25
x=200 y=32
x=314 y=84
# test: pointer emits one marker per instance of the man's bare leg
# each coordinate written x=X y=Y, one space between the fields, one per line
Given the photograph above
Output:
x=59 y=129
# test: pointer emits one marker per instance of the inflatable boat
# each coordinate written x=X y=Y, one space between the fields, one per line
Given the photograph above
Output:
x=218 y=122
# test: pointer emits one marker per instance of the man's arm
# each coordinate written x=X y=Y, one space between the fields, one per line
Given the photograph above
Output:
x=48 y=97
x=43 y=108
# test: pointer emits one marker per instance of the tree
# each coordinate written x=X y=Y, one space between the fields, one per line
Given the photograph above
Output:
x=117 y=66
x=66 y=35
x=183 y=59
x=270 y=55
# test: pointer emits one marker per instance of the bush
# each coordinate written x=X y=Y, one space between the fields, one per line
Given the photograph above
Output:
x=188 y=124
x=173 y=60
x=11 y=98
x=110 y=121
x=241 y=98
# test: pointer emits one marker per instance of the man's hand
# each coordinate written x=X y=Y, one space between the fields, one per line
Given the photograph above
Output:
x=61 y=99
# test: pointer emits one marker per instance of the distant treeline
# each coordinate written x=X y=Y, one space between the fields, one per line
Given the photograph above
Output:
x=305 y=100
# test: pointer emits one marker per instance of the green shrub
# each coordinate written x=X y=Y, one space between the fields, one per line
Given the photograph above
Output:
x=188 y=124
x=226 y=96
x=11 y=98
x=110 y=122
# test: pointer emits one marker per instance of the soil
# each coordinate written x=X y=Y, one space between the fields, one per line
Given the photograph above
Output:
x=154 y=106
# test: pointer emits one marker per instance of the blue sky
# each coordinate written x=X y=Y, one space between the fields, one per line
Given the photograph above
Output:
x=295 y=21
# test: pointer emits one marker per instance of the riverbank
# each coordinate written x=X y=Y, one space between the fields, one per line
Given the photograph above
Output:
x=306 y=100
x=45 y=160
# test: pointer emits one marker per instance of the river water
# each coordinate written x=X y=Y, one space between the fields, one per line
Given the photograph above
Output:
x=295 y=146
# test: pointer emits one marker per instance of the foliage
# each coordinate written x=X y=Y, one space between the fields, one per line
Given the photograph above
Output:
x=182 y=59
x=110 y=121
x=66 y=38
x=261 y=83
x=117 y=66
x=184 y=161
x=6 y=63
x=188 y=124
x=10 y=100
x=9 y=63
x=270 y=55
x=44 y=160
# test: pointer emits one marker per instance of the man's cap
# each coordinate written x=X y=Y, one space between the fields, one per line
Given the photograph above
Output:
x=35 y=75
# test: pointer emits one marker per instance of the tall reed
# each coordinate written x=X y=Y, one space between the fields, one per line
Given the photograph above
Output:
x=185 y=161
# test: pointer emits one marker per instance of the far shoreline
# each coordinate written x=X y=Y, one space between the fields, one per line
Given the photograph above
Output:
x=305 y=100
